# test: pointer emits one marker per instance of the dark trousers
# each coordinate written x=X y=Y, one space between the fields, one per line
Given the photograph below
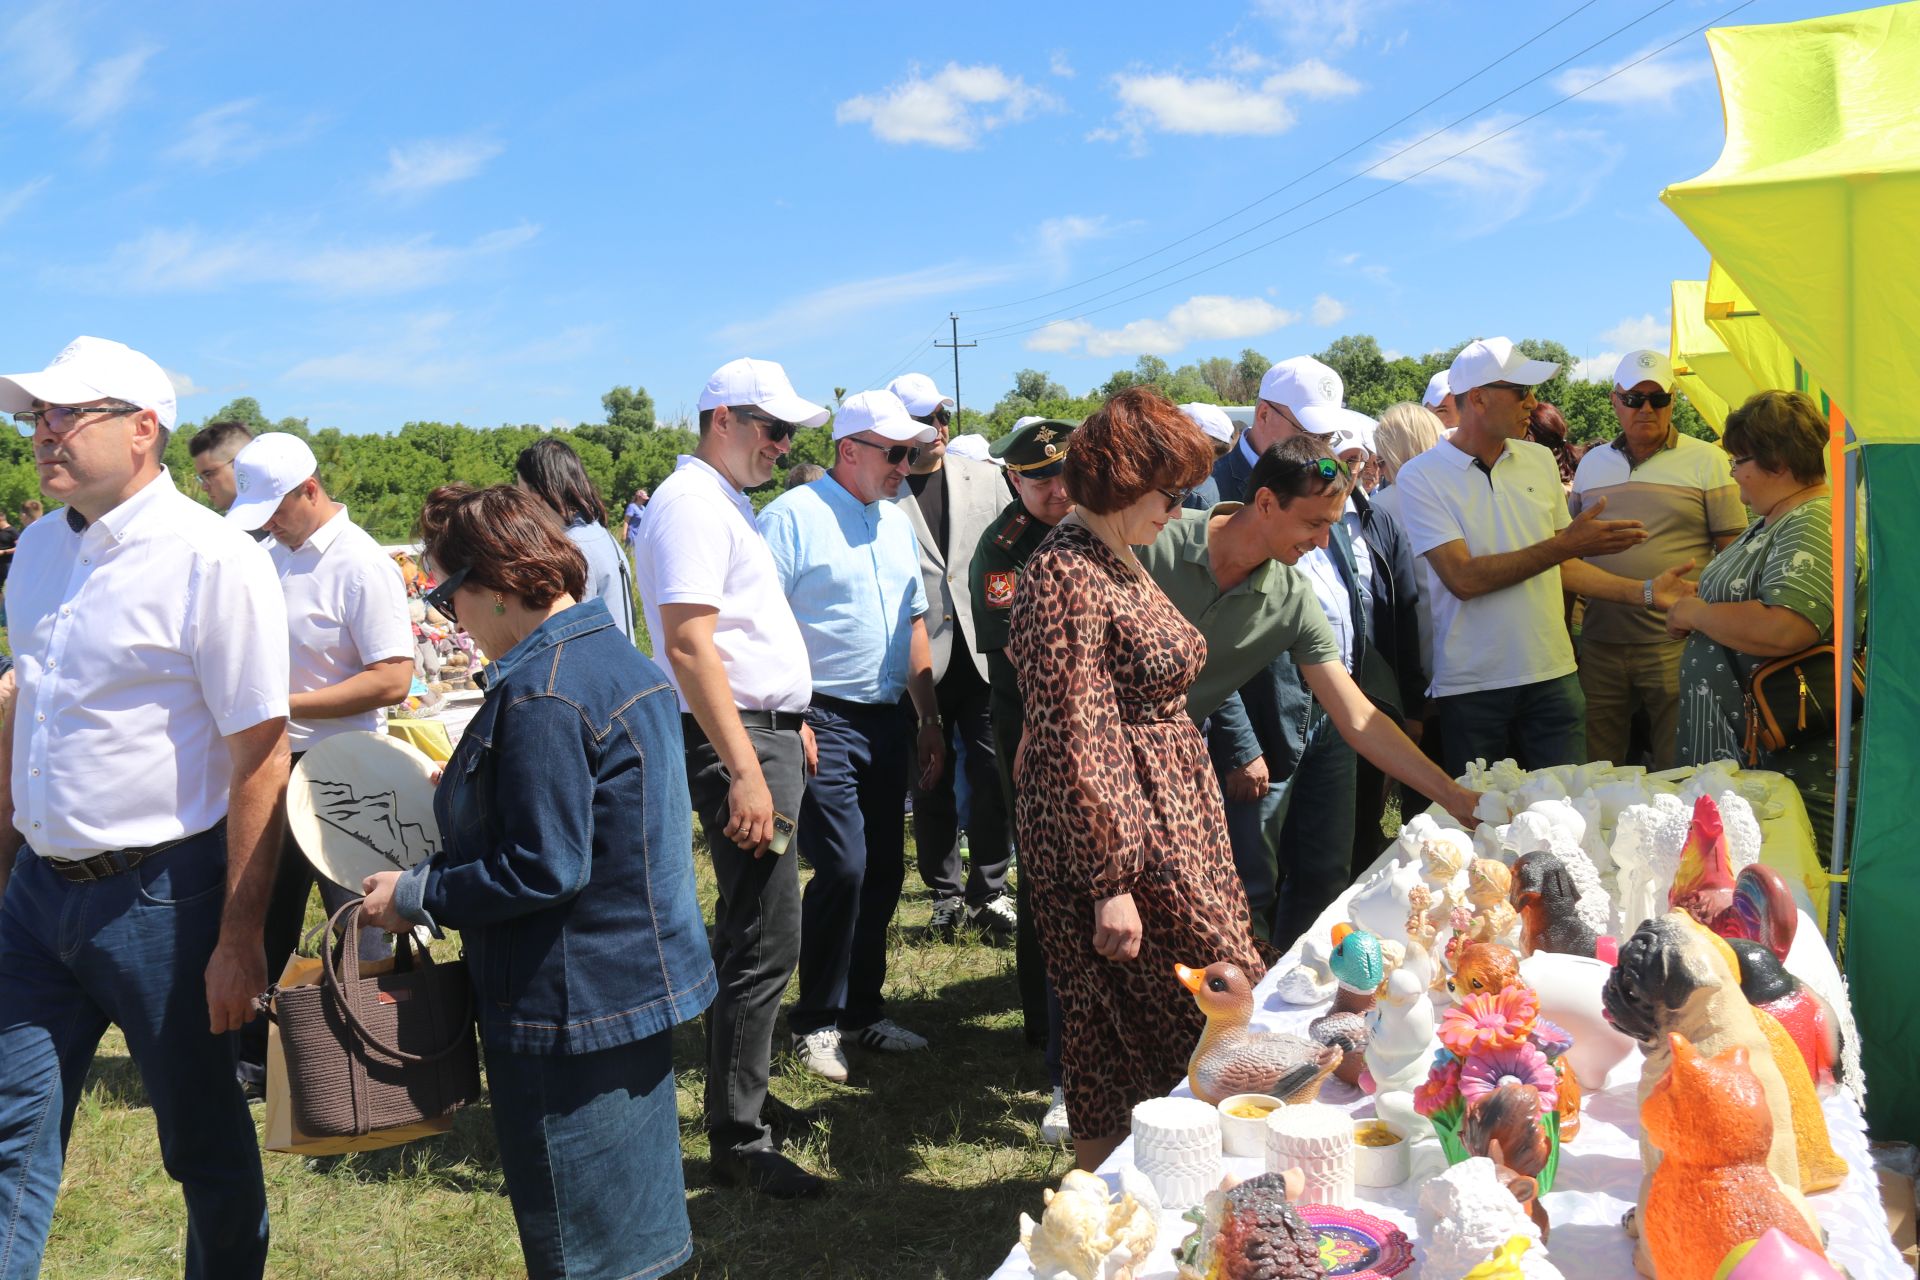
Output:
x=853 y=834
x=1291 y=846
x=1369 y=807
x=1539 y=725
x=964 y=714
x=756 y=934
x=130 y=951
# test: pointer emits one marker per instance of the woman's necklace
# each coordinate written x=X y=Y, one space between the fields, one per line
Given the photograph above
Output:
x=1097 y=525
x=1781 y=507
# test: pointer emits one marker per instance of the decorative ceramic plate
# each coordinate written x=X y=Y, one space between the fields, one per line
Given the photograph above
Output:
x=1358 y=1245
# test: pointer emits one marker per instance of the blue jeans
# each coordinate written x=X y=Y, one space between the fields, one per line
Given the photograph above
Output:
x=852 y=832
x=590 y=1148
x=1292 y=845
x=1539 y=725
x=131 y=951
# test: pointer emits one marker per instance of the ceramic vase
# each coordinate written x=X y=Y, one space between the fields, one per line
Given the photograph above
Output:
x=1176 y=1143
x=1318 y=1140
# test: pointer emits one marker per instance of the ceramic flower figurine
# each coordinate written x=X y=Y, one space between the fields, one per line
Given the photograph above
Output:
x=1547 y=900
x=1713 y=1190
x=1232 y=1059
x=1775 y=1256
x=1490 y=1041
x=1088 y=1234
x=1468 y=1218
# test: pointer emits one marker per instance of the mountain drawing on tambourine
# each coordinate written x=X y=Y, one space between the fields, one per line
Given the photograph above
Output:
x=374 y=822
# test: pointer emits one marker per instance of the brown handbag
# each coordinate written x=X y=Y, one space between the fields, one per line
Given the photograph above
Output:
x=368 y=1053
x=1788 y=700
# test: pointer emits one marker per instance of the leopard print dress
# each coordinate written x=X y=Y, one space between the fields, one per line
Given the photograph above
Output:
x=1116 y=794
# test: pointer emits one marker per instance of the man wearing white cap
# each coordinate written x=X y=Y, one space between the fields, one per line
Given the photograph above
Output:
x=1439 y=398
x=148 y=757
x=951 y=502
x=848 y=563
x=1486 y=510
x=350 y=647
x=1220 y=430
x=718 y=610
x=1682 y=492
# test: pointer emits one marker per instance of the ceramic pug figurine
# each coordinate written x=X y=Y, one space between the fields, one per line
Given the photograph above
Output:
x=1548 y=902
x=1231 y=1059
x=1712 y=1191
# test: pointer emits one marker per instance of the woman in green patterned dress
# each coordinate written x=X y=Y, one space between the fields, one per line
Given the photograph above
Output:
x=1769 y=594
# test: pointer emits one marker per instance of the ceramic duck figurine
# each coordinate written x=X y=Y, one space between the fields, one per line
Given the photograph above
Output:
x=1358 y=970
x=1545 y=896
x=1232 y=1059
x=1713 y=1190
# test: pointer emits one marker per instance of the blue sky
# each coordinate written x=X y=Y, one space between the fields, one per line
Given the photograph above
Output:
x=493 y=213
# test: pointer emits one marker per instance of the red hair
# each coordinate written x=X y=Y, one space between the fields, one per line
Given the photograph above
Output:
x=1136 y=442
x=506 y=539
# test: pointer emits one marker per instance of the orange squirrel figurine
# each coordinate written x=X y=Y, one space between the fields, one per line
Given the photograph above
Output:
x=1713 y=1190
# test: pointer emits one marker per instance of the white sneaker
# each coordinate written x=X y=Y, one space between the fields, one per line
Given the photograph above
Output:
x=947 y=914
x=820 y=1052
x=996 y=916
x=1053 y=1125
x=888 y=1036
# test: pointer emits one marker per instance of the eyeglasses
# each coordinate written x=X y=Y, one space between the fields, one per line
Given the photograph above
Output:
x=1634 y=399
x=776 y=429
x=205 y=477
x=63 y=418
x=1176 y=498
x=1524 y=391
x=896 y=454
x=1733 y=461
x=440 y=599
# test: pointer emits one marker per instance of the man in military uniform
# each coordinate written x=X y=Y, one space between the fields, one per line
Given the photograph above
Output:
x=1034 y=452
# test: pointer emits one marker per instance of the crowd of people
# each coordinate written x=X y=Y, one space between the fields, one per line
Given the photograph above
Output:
x=1167 y=666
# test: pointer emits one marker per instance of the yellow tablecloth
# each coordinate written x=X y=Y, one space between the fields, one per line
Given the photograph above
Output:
x=431 y=737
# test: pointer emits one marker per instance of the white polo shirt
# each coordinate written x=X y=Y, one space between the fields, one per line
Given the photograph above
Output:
x=346 y=610
x=1509 y=637
x=700 y=544
x=140 y=641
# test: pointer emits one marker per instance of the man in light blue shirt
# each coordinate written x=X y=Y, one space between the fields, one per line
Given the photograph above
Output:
x=847 y=558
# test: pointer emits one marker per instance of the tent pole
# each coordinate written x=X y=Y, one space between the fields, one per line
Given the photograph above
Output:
x=1843 y=755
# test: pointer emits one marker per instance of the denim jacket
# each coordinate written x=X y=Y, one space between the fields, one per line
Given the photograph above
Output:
x=567 y=847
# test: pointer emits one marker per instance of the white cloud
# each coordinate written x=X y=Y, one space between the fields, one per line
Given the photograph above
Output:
x=419 y=167
x=183 y=384
x=226 y=135
x=1059 y=66
x=951 y=109
x=1636 y=332
x=46 y=68
x=408 y=354
x=1328 y=311
x=1597 y=367
x=1059 y=236
x=1487 y=160
x=1324 y=24
x=1653 y=83
x=812 y=312
x=1167 y=102
x=1201 y=318
x=186 y=261
x=14 y=201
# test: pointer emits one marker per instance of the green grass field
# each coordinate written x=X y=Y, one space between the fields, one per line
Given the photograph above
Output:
x=932 y=1157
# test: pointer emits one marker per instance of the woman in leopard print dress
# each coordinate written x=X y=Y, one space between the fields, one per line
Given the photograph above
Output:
x=1119 y=815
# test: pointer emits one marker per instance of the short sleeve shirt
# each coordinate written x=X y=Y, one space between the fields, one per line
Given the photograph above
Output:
x=1509 y=637
x=1685 y=496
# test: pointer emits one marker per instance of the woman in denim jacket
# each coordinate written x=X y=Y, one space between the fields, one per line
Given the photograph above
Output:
x=567 y=865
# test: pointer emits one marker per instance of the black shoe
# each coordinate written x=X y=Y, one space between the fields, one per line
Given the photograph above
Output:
x=786 y=1120
x=768 y=1172
x=253 y=1081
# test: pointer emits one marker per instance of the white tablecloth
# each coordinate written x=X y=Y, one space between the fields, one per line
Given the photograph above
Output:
x=1599 y=1174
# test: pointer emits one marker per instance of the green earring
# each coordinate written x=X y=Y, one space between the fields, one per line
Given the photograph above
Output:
x=499 y=604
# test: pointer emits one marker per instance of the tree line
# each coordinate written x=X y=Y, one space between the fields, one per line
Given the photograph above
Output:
x=385 y=478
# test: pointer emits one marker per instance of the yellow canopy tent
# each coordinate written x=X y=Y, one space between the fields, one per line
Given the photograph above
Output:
x=1707 y=372
x=1812 y=213
x=1736 y=320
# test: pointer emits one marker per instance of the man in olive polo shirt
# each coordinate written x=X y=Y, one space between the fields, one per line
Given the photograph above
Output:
x=1218 y=568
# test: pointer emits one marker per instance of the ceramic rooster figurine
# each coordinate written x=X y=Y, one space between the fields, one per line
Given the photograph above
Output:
x=1231 y=1058
x=1703 y=886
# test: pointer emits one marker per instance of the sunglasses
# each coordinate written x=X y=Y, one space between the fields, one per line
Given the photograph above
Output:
x=938 y=418
x=1327 y=467
x=1524 y=391
x=896 y=454
x=1634 y=399
x=776 y=429
x=440 y=599
x=1176 y=498
x=62 y=418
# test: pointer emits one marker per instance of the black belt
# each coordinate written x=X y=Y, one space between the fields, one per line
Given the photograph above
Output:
x=790 y=720
x=118 y=861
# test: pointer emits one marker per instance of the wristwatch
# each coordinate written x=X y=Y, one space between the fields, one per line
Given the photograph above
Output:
x=929 y=722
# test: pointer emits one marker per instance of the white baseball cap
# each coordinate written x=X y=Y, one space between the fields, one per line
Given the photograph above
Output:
x=1637 y=367
x=972 y=445
x=1437 y=390
x=1356 y=434
x=268 y=469
x=919 y=394
x=93 y=369
x=881 y=413
x=1212 y=419
x=1027 y=421
x=1496 y=360
x=762 y=384
x=1309 y=389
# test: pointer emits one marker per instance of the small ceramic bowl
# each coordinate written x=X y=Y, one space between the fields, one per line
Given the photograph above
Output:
x=1377 y=1164
x=1246 y=1135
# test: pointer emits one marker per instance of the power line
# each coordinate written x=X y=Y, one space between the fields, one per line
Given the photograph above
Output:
x=1394 y=155
x=1067 y=288
x=1002 y=333
x=899 y=366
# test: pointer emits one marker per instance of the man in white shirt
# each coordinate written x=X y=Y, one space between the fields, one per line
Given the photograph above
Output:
x=146 y=760
x=1485 y=509
x=350 y=647
x=1439 y=398
x=728 y=640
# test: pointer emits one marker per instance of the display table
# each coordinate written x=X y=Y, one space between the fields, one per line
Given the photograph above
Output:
x=1599 y=1175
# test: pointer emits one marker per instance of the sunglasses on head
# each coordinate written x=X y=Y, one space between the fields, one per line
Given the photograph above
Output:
x=1327 y=467
x=1634 y=399
x=896 y=454
x=440 y=599
x=776 y=429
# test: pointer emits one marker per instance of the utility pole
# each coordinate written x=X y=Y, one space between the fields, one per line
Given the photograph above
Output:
x=954 y=319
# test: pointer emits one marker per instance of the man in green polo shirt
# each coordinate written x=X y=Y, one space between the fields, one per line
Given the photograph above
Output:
x=1219 y=569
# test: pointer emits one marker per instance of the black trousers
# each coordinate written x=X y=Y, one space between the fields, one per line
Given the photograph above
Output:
x=964 y=714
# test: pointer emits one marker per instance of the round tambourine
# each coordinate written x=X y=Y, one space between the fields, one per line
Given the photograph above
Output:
x=360 y=803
